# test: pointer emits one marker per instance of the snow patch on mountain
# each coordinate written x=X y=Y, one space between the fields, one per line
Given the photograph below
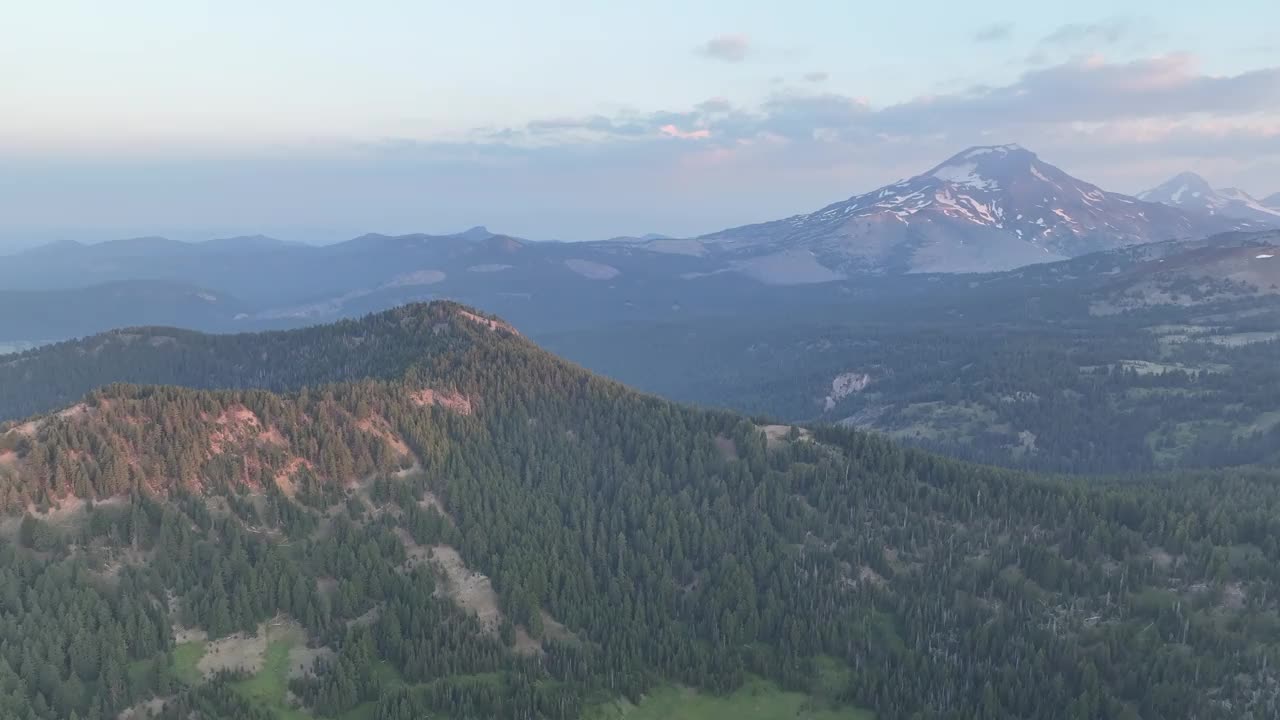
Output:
x=965 y=175
x=592 y=270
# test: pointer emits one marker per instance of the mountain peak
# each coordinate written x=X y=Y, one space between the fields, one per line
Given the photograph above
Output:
x=1272 y=201
x=986 y=151
x=479 y=232
x=1189 y=191
x=988 y=207
x=988 y=167
x=1179 y=189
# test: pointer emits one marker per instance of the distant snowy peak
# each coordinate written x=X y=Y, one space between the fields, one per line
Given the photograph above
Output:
x=1188 y=191
x=986 y=208
x=1181 y=190
x=1005 y=187
x=1272 y=201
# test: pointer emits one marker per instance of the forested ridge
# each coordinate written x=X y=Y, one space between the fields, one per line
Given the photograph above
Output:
x=630 y=541
x=1023 y=379
x=49 y=378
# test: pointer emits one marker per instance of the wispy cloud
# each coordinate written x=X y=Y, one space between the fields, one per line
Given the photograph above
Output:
x=1108 y=36
x=1080 y=91
x=816 y=76
x=995 y=32
x=1091 y=35
x=731 y=48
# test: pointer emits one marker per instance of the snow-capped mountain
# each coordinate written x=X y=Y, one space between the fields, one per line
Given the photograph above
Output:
x=987 y=208
x=1189 y=191
x=1272 y=201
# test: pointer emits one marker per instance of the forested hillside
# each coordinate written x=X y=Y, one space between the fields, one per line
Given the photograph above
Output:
x=377 y=346
x=1156 y=357
x=629 y=543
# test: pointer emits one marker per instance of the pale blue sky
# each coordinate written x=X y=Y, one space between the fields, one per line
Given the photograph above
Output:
x=316 y=120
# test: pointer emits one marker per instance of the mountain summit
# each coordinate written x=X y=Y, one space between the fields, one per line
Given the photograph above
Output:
x=1189 y=191
x=986 y=208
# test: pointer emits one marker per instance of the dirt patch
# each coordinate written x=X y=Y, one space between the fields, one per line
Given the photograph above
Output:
x=234 y=652
x=776 y=435
x=728 y=449
x=233 y=426
x=284 y=478
x=66 y=513
x=75 y=411
x=1233 y=596
x=472 y=591
x=491 y=324
x=119 y=560
x=1160 y=558
x=844 y=385
x=8 y=457
x=451 y=400
x=525 y=644
x=302 y=659
x=247 y=652
x=415 y=554
x=867 y=575
x=272 y=436
x=429 y=500
x=554 y=630
x=379 y=427
x=27 y=429
x=366 y=618
x=185 y=634
x=145 y=709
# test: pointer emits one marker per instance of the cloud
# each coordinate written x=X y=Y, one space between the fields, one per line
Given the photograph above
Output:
x=1092 y=90
x=714 y=105
x=1078 y=92
x=1091 y=35
x=816 y=77
x=675 y=132
x=995 y=32
x=1121 y=124
x=731 y=48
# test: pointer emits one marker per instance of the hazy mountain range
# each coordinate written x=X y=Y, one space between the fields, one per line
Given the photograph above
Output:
x=985 y=209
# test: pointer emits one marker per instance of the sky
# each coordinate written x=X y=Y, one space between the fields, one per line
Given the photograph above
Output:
x=578 y=120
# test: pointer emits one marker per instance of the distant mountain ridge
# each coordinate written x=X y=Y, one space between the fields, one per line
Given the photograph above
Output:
x=1189 y=191
x=161 y=245
x=986 y=208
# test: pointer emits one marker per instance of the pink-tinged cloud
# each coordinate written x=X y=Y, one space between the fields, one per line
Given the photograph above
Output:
x=675 y=132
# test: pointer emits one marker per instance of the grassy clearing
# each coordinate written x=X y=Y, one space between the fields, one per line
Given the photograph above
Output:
x=757 y=700
x=269 y=686
x=1264 y=422
x=185 y=658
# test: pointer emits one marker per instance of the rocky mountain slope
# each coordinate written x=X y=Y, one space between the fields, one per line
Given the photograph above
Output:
x=1189 y=191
